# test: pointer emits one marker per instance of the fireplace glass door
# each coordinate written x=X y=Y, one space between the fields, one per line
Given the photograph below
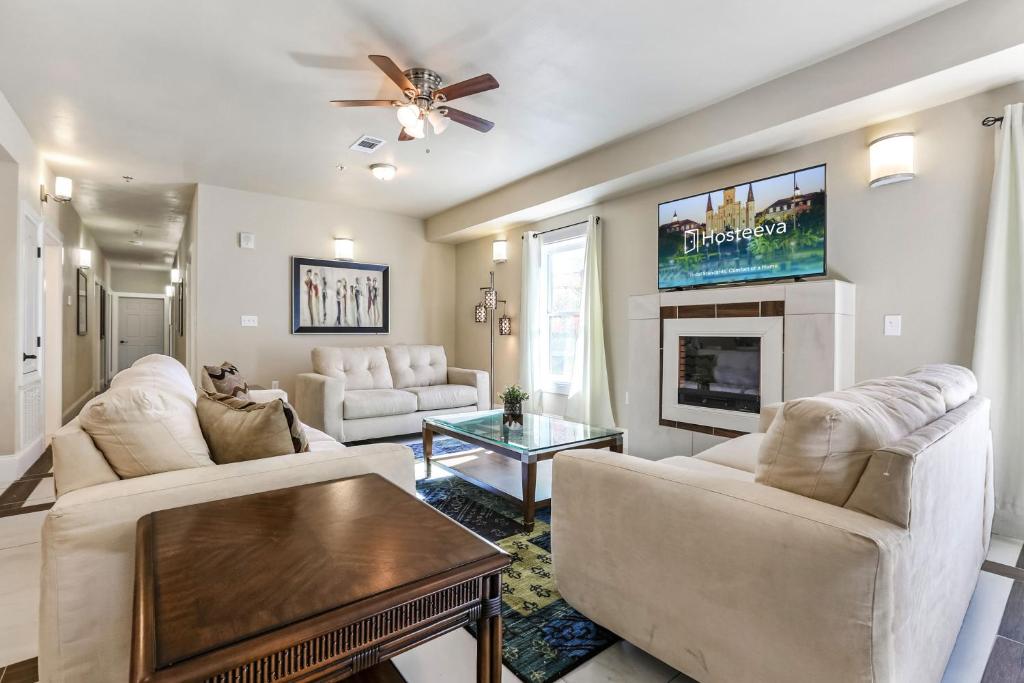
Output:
x=720 y=372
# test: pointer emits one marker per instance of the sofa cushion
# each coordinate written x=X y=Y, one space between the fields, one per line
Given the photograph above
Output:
x=377 y=403
x=818 y=447
x=418 y=365
x=712 y=469
x=319 y=441
x=77 y=463
x=739 y=453
x=141 y=430
x=957 y=384
x=441 y=396
x=157 y=370
x=362 y=367
x=237 y=430
x=225 y=379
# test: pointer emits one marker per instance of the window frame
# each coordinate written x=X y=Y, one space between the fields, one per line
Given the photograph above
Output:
x=552 y=243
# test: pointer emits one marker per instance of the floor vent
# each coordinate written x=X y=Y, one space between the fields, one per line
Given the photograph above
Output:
x=366 y=144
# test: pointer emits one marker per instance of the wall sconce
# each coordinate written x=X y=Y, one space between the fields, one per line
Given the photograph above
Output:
x=169 y=291
x=62 y=188
x=891 y=159
x=344 y=248
x=175 y=276
x=480 y=313
x=499 y=251
x=84 y=258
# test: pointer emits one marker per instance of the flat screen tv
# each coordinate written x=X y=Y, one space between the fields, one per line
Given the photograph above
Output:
x=758 y=230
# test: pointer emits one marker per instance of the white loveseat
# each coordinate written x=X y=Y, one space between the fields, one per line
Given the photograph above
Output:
x=843 y=544
x=88 y=542
x=368 y=392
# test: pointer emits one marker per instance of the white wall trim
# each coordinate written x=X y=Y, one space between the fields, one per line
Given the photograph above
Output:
x=14 y=465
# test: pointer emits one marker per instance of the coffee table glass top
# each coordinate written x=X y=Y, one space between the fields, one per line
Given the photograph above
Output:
x=538 y=433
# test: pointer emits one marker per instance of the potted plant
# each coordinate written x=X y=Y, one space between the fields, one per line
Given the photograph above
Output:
x=512 y=400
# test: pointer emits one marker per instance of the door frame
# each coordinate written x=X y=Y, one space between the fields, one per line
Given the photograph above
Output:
x=53 y=339
x=113 y=313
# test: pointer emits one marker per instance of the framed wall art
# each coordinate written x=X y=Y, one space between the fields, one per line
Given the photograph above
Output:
x=339 y=297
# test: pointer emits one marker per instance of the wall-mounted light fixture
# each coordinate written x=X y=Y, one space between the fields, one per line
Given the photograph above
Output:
x=84 y=258
x=62 y=188
x=383 y=171
x=175 y=276
x=891 y=159
x=344 y=248
x=499 y=251
x=168 y=290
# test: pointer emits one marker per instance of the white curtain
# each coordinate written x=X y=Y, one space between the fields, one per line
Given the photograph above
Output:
x=999 y=339
x=589 y=398
x=532 y=316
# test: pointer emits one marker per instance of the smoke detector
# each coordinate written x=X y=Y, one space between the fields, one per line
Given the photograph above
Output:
x=367 y=144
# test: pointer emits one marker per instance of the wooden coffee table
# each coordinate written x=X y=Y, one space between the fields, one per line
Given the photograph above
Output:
x=537 y=439
x=320 y=582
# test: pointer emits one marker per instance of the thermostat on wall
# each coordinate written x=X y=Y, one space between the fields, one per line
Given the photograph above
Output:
x=247 y=240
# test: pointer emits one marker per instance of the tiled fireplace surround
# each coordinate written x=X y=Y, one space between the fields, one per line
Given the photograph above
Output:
x=807 y=332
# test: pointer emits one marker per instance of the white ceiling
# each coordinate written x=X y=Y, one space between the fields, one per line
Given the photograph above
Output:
x=234 y=92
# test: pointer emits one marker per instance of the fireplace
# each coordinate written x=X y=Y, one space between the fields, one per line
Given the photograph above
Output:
x=720 y=372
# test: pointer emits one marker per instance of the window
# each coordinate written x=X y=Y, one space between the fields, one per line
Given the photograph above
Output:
x=562 y=265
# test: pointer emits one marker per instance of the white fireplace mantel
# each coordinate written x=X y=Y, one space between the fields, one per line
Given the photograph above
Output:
x=813 y=323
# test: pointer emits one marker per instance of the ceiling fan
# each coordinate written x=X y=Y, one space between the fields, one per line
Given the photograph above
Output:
x=426 y=100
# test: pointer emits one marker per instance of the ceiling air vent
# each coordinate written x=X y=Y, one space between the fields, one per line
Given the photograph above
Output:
x=366 y=144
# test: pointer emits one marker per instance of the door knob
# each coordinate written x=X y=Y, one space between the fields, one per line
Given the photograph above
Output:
x=122 y=342
x=27 y=356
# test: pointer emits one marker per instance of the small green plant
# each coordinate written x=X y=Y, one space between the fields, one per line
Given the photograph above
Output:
x=513 y=395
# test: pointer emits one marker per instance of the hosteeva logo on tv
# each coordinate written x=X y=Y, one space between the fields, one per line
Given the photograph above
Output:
x=693 y=239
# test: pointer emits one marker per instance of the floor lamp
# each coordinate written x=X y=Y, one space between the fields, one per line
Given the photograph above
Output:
x=484 y=312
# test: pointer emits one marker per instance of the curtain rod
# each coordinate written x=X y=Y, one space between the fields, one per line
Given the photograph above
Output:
x=571 y=225
x=990 y=121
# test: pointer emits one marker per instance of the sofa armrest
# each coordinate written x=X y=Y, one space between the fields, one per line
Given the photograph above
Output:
x=319 y=400
x=268 y=395
x=88 y=546
x=768 y=413
x=473 y=378
x=711 y=561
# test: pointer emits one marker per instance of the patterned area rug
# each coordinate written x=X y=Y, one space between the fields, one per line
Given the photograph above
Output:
x=544 y=638
x=443 y=445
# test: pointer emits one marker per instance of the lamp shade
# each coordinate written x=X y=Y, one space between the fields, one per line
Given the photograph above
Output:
x=480 y=313
x=62 y=188
x=499 y=251
x=175 y=276
x=84 y=258
x=491 y=298
x=891 y=159
x=505 y=325
x=344 y=248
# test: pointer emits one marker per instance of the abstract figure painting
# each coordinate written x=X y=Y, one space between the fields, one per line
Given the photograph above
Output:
x=339 y=297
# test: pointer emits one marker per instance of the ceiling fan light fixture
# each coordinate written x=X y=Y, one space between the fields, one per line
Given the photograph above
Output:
x=438 y=121
x=408 y=115
x=416 y=130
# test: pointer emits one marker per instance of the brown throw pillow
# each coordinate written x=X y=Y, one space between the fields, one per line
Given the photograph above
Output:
x=237 y=430
x=226 y=379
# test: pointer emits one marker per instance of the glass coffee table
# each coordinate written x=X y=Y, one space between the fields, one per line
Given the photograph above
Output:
x=536 y=440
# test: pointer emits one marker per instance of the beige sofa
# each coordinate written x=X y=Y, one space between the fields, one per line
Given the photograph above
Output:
x=843 y=544
x=88 y=542
x=369 y=392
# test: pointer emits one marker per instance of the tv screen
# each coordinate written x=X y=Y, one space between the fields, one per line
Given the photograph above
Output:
x=758 y=230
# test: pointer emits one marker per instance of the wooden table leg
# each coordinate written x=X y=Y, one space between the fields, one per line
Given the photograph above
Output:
x=616 y=446
x=529 y=493
x=428 y=447
x=488 y=633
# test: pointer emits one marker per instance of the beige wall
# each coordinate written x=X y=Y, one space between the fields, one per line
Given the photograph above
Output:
x=231 y=282
x=181 y=338
x=912 y=249
x=139 y=281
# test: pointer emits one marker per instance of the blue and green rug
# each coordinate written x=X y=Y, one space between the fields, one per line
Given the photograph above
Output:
x=544 y=638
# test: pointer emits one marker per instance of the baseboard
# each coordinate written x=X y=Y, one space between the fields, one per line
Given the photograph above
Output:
x=14 y=465
x=72 y=412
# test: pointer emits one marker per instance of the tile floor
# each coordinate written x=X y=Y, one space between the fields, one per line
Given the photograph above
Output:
x=990 y=648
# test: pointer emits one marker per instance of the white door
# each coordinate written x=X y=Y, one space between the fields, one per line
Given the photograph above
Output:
x=140 y=329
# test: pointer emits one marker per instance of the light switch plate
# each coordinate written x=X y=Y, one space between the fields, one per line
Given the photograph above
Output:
x=250 y=321
x=247 y=240
x=893 y=325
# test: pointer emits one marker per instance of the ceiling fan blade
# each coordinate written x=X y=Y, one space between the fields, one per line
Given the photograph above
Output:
x=474 y=122
x=403 y=136
x=470 y=87
x=362 y=103
x=392 y=71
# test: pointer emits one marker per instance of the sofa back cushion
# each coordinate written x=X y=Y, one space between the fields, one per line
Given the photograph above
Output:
x=143 y=430
x=362 y=367
x=818 y=447
x=417 y=365
x=957 y=384
x=77 y=463
x=159 y=371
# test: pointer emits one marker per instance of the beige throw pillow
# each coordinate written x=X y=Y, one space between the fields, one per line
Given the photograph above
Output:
x=237 y=430
x=141 y=430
